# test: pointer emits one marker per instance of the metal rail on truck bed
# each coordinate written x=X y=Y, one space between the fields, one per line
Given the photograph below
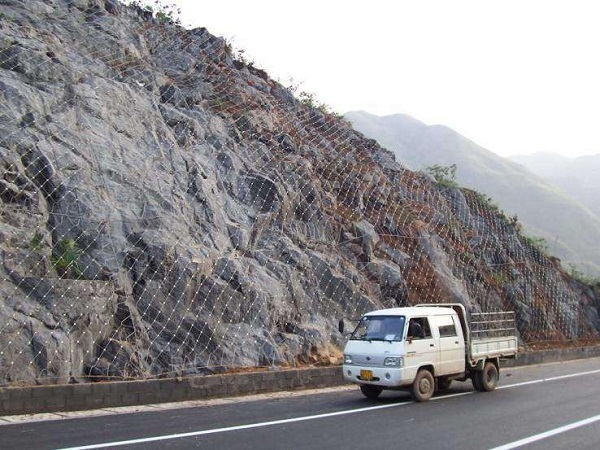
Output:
x=493 y=335
x=487 y=334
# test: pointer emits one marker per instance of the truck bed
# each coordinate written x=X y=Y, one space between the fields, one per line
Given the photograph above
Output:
x=493 y=335
x=487 y=334
x=502 y=347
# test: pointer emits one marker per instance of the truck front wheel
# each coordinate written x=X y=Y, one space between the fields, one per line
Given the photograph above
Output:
x=370 y=391
x=423 y=386
x=487 y=379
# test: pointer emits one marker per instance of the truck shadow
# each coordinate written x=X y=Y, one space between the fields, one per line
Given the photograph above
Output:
x=401 y=396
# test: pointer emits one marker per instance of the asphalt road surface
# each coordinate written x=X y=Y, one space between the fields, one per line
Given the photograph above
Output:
x=553 y=406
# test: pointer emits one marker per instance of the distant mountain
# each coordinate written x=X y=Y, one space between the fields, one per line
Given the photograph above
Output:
x=572 y=232
x=578 y=177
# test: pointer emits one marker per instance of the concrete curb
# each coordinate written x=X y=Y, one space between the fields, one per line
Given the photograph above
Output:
x=75 y=397
x=554 y=355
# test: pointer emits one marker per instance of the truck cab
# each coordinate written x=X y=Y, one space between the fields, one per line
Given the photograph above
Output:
x=421 y=348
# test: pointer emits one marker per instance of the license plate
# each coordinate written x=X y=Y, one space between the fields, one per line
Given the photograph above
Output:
x=366 y=375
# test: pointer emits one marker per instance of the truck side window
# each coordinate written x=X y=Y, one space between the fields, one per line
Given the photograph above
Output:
x=418 y=328
x=446 y=326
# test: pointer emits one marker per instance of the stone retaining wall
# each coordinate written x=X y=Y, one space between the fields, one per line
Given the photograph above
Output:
x=72 y=397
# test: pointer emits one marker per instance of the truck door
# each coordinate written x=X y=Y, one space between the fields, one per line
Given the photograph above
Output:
x=421 y=347
x=452 y=346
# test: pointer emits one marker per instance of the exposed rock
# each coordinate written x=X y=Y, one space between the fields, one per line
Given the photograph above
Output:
x=368 y=236
x=167 y=212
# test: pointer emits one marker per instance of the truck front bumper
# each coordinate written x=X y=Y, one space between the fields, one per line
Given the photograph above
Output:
x=379 y=376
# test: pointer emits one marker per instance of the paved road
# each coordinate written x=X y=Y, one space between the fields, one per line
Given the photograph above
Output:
x=554 y=406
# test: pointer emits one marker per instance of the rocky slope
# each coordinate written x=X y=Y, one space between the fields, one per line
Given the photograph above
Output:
x=571 y=231
x=167 y=210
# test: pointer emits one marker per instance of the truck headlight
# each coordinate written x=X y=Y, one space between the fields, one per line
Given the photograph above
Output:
x=393 y=361
x=347 y=359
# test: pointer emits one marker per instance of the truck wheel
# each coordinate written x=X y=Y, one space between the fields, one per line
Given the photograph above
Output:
x=370 y=391
x=476 y=380
x=487 y=379
x=443 y=383
x=423 y=386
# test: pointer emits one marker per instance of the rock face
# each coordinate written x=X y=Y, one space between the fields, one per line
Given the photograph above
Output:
x=571 y=230
x=167 y=210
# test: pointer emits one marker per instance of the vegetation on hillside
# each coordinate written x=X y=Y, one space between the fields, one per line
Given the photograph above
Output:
x=444 y=175
x=164 y=12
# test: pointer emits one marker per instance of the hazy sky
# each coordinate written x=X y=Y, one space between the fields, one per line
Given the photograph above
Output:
x=514 y=76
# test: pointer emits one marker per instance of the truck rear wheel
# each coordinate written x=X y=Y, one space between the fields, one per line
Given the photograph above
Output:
x=487 y=379
x=423 y=386
x=370 y=391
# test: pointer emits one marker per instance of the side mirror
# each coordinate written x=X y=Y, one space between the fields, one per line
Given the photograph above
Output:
x=341 y=326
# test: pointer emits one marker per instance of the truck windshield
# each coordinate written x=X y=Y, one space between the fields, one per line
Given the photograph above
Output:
x=379 y=328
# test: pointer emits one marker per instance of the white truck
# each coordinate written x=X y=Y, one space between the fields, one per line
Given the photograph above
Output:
x=424 y=347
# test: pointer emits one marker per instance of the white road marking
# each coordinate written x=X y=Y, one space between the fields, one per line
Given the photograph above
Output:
x=539 y=437
x=41 y=417
x=64 y=415
x=589 y=372
x=338 y=413
x=235 y=428
x=543 y=380
x=524 y=383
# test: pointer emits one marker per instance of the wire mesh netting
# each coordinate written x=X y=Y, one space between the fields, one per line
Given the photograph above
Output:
x=168 y=209
x=492 y=324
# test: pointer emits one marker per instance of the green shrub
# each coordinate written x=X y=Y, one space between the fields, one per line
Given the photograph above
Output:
x=576 y=273
x=310 y=99
x=36 y=241
x=164 y=12
x=66 y=259
x=444 y=175
x=538 y=243
x=499 y=278
x=513 y=221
